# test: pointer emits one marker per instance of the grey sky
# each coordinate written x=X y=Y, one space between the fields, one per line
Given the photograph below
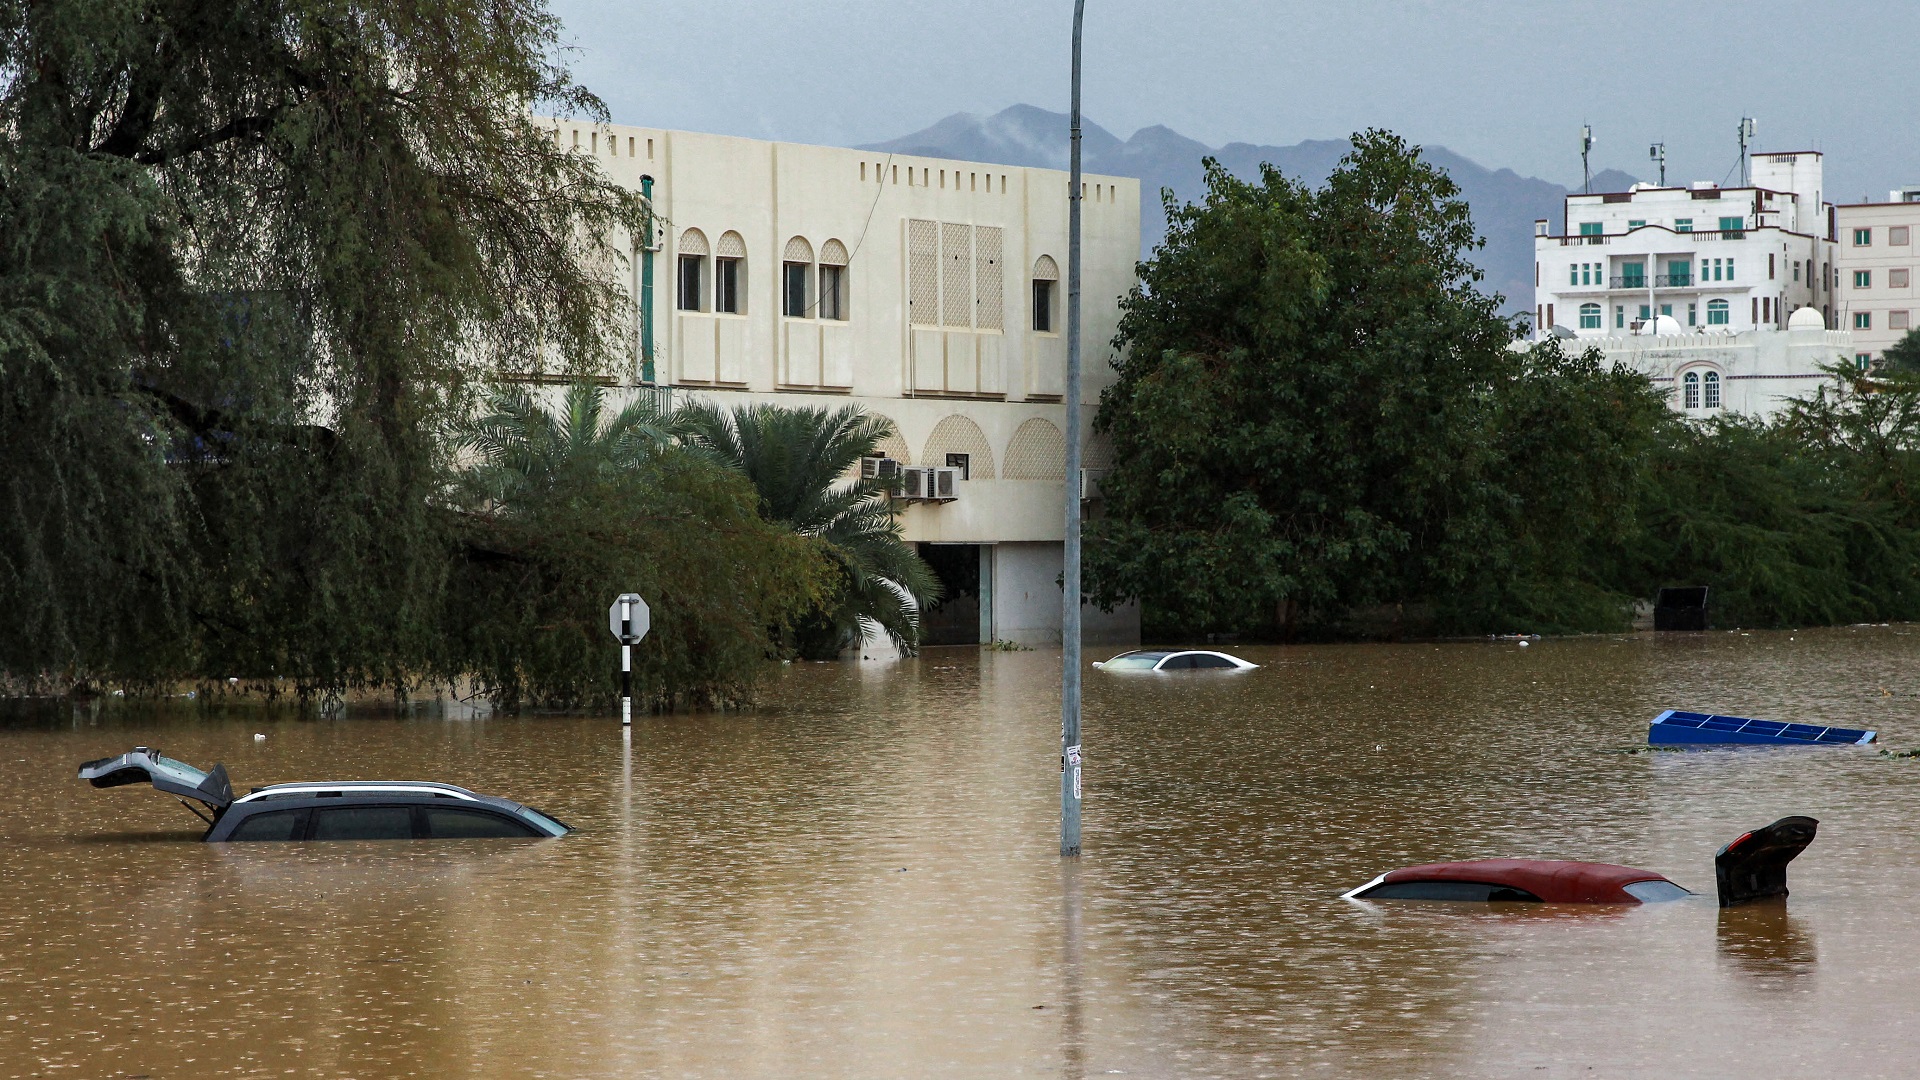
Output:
x=1505 y=82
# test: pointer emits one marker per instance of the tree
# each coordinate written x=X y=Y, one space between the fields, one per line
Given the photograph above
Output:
x=562 y=510
x=1903 y=356
x=249 y=254
x=1310 y=406
x=800 y=461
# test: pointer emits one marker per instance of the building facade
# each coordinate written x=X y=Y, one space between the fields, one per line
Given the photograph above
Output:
x=1724 y=294
x=1879 y=296
x=929 y=291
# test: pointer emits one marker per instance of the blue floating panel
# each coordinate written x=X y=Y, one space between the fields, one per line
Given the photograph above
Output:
x=1676 y=726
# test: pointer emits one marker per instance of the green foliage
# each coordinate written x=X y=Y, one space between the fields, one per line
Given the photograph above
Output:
x=1903 y=356
x=800 y=461
x=249 y=254
x=1318 y=410
x=1813 y=519
x=562 y=511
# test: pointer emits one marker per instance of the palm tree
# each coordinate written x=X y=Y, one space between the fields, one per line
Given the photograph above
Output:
x=526 y=453
x=799 y=460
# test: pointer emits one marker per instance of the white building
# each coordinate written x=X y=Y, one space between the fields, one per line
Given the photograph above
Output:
x=929 y=291
x=1875 y=266
x=1698 y=286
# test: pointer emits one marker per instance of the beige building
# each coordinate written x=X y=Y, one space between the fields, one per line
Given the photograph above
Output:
x=929 y=291
x=1878 y=259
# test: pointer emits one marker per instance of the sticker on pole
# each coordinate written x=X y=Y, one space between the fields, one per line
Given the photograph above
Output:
x=639 y=620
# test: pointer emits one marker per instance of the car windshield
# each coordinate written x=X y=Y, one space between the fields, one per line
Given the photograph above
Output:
x=1654 y=892
x=543 y=819
x=1133 y=662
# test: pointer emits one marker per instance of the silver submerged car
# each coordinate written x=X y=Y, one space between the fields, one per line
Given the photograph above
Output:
x=329 y=810
x=1174 y=660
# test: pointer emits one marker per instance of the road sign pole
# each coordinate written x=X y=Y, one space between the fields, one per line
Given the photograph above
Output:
x=626 y=663
x=1070 y=550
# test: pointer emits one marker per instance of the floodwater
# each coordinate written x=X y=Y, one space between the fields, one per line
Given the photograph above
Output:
x=861 y=879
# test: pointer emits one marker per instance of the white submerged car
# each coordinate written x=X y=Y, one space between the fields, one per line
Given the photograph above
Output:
x=1174 y=660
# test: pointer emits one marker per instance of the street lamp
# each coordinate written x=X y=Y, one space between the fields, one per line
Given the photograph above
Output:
x=1070 y=594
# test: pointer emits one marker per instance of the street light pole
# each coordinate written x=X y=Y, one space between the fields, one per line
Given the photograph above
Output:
x=1070 y=597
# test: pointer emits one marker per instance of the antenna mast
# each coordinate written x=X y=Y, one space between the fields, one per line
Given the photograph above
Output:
x=1658 y=152
x=1586 y=147
x=1746 y=133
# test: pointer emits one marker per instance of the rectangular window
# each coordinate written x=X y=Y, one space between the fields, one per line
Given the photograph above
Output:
x=1684 y=224
x=690 y=282
x=1619 y=317
x=1863 y=360
x=1863 y=238
x=1863 y=279
x=726 y=286
x=1574 y=273
x=1863 y=320
x=1713 y=389
x=1693 y=314
x=1042 y=306
x=1633 y=275
x=1590 y=317
x=1769 y=266
x=1732 y=224
x=1796 y=269
x=793 y=290
x=1729 y=269
x=833 y=292
x=1589 y=228
x=1897 y=279
x=1679 y=272
x=963 y=462
x=1645 y=313
x=1897 y=235
x=1896 y=320
x=1637 y=223
x=1549 y=314
x=1667 y=310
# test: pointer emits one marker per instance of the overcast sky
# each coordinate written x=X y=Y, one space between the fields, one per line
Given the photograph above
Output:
x=1505 y=82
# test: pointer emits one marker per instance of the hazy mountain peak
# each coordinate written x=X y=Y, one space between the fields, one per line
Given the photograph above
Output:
x=1504 y=203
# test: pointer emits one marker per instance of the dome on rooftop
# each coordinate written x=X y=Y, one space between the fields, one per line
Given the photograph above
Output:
x=1806 y=318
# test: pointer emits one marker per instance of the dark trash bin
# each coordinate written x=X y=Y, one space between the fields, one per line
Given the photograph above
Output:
x=1683 y=608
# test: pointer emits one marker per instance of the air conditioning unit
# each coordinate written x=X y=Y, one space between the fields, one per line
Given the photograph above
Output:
x=929 y=484
x=1090 y=483
x=946 y=484
x=878 y=468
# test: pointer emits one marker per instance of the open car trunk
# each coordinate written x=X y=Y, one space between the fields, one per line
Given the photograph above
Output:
x=145 y=765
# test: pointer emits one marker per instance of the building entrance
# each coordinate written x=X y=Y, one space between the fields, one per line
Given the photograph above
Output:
x=956 y=619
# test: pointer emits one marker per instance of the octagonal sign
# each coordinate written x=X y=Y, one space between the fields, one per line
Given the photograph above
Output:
x=640 y=619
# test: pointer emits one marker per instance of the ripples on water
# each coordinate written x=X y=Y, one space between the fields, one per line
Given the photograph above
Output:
x=861 y=880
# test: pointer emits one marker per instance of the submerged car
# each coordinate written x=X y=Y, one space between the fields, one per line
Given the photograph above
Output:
x=1174 y=660
x=1752 y=867
x=330 y=810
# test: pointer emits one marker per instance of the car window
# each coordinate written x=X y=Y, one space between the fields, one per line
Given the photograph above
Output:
x=363 y=823
x=1653 y=892
x=1447 y=890
x=450 y=824
x=1180 y=662
x=1130 y=663
x=1207 y=660
x=274 y=825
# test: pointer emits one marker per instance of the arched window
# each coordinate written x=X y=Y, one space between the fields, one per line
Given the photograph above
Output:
x=796 y=267
x=1713 y=389
x=1589 y=316
x=1046 y=279
x=1690 y=390
x=729 y=274
x=833 y=280
x=693 y=261
x=1719 y=312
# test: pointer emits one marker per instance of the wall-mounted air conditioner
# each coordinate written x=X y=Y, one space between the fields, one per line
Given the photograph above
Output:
x=926 y=484
x=878 y=468
x=1090 y=483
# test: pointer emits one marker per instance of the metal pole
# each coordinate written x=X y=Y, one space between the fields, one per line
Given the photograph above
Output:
x=1070 y=598
x=626 y=664
x=646 y=285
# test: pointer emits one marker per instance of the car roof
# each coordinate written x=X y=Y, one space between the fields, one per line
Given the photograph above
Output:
x=1552 y=880
x=364 y=787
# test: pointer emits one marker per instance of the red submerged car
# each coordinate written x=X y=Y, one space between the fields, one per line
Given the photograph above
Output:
x=1752 y=867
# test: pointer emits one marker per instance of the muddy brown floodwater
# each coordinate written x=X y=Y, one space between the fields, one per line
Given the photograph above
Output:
x=861 y=879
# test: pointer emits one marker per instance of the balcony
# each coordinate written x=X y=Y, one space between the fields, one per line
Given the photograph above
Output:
x=1627 y=281
x=1658 y=281
x=1673 y=281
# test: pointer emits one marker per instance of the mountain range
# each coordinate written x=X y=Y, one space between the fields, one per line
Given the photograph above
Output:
x=1504 y=203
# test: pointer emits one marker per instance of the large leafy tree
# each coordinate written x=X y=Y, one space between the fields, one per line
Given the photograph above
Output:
x=248 y=254
x=805 y=465
x=1311 y=408
x=563 y=508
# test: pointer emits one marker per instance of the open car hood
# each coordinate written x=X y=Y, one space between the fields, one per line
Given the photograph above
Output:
x=143 y=765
